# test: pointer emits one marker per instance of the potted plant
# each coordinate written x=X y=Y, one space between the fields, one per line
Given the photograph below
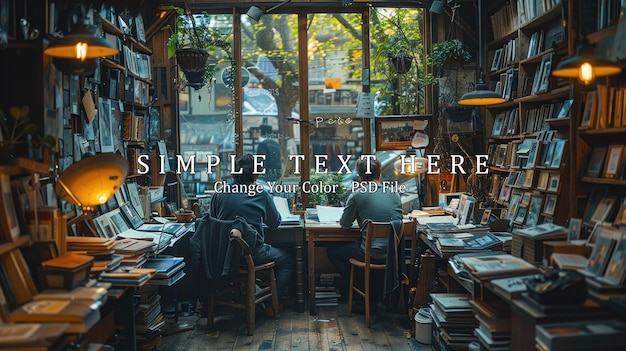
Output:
x=450 y=52
x=193 y=43
x=15 y=130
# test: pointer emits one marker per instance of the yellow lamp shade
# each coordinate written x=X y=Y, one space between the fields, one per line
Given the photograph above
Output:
x=419 y=166
x=586 y=66
x=93 y=180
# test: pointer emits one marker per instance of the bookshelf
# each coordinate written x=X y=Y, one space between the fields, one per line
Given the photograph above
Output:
x=529 y=133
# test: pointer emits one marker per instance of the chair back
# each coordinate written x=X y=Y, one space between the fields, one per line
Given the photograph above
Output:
x=246 y=253
x=376 y=230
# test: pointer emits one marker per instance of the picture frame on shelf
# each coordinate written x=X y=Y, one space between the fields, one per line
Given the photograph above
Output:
x=497 y=60
x=565 y=108
x=558 y=153
x=575 y=227
x=620 y=217
x=486 y=215
x=528 y=178
x=525 y=201
x=550 y=204
x=596 y=161
x=516 y=197
x=546 y=69
x=554 y=181
x=9 y=225
x=603 y=209
x=520 y=216
x=589 y=110
x=400 y=132
x=614 y=165
x=534 y=210
x=603 y=250
x=105 y=125
x=615 y=273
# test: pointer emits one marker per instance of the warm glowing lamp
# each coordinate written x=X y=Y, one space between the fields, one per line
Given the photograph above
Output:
x=481 y=96
x=80 y=45
x=92 y=181
x=585 y=65
x=412 y=165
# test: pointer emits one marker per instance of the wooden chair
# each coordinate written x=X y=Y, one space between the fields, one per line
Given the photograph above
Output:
x=409 y=230
x=244 y=294
x=375 y=230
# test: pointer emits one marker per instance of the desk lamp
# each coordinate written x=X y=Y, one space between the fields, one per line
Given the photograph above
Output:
x=91 y=182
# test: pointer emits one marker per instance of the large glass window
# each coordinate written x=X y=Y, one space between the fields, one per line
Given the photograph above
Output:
x=271 y=114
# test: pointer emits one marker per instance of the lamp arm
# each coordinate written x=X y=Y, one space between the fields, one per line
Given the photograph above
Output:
x=70 y=193
x=276 y=6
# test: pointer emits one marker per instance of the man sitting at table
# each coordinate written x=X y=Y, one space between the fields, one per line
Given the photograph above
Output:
x=258 y=209
x=378 y=206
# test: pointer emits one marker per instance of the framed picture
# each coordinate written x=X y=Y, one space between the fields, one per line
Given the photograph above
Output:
x=575 y=227
x=537 y=79
x=596 y=162
x=497 y=60
x=557 y=154
x=616 y=269
x=590 y=109
x=546 y=69
x=542 y=182
x=550 y=204
x=603 y=209
x=603 y=250
x=10 y=226
x=104 y=227
x=513 y=205
x=620 y=218
x=139 y=29
x=520 y=216
x=525 y=201
x=400 y=132
x=565 y=108
x=486 y=215
x=554 y=181
x=532 y=215
x=528 y=178
x=105 y=125
x=613 y=165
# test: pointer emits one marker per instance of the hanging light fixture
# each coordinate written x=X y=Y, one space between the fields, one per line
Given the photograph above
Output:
x=585 y=65
x=81 y=44
x=481 y=96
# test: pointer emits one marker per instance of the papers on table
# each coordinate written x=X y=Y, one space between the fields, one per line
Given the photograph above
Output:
x=329 y=214
x=286 y=217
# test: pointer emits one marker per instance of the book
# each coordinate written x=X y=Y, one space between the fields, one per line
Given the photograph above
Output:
x=582 y=335
x=542 y=230
x=32 y=336
x=91 y=294
x=79 y=314
x=602 y=251
x=165 y=266
x=491 y=266
x=452 y=301
x=132 y=246
x=568 y=261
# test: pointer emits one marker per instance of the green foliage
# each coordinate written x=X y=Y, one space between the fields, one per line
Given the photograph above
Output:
x=450 y=51
x=398 y=33
x=17 y=125
x=188 y=32
x=333 y=198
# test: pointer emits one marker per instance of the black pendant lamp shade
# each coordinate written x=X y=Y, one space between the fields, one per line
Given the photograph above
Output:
x=481 y=96
x=80 y=44
x=586 y=65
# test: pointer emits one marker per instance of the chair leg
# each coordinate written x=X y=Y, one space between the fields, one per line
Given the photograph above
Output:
x=274 y=292
x=250 y=302
x=367 y=297
x=350 y=291
x=210 y=310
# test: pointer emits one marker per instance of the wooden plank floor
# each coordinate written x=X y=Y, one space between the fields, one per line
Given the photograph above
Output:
x=330 y=330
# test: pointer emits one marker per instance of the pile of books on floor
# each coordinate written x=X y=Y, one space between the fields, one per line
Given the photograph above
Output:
x=149 y=319
x=494 y=324
x=454 y=321
x=168 y=269
x=326 y=293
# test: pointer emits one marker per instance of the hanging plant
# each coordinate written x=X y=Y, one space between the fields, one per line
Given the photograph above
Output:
x=450 y=52
x=194 y=43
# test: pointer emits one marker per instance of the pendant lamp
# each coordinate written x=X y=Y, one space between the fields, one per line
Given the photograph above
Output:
x=81 y=45
x=586 y=65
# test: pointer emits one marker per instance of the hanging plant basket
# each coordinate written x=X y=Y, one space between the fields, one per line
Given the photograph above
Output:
x=193 y=64
x=401 y=63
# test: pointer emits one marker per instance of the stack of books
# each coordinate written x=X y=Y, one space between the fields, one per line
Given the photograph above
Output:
x=528 y=242
x=326 y=293
x=486 y=267
x=581 y=335
x=456 y=242
x=80 y=315
x=168 y=269
x=136 y=277
x=494 y=324
x=149 y=318
x=130 y=261
x=454 y=320
x=34 y=336
x=67 y=271
x=94 y=295
x=133 y=247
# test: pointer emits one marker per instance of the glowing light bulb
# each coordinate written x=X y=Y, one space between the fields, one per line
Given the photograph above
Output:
x=81 y=51
x=586 y=73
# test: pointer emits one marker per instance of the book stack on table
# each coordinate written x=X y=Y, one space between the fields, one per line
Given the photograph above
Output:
x=168 y=269
x=454 y=321
x=494 y=324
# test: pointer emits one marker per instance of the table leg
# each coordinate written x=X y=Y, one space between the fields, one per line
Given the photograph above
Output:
x=299 y=278
x=311 y=270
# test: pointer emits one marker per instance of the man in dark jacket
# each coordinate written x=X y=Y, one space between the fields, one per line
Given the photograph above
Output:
x=258 y=209
x=376 y=205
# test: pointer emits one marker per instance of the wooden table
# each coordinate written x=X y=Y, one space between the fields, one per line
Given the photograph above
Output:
x=323 y=232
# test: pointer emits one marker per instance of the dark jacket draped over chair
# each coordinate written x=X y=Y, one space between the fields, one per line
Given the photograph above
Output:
x=215 y=258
